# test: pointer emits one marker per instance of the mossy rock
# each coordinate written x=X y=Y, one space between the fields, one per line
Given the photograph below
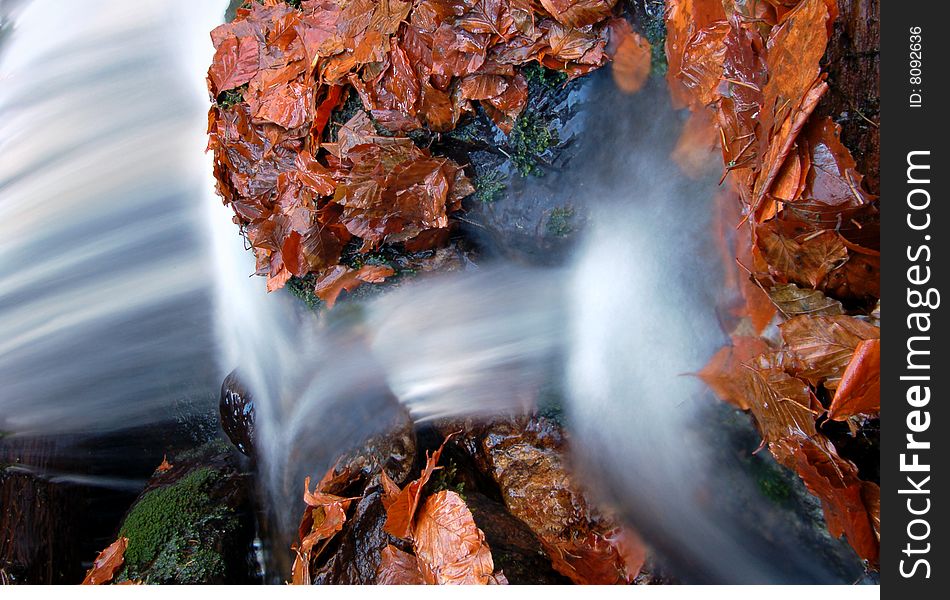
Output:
x=192 y=524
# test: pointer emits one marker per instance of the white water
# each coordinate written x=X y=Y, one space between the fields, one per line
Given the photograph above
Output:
x=117 y=258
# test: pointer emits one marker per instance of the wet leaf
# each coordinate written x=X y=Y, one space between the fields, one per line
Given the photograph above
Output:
x=824 y=345
x=165 y=466
x=449 y=547
x=847 y=501
x=107 y=563
x=793 y=301
x=401 y=507
x=631 y=57
x=235 y=63
x=323 y=518
x=398 y=568
x=339 y=278
x=860 y=389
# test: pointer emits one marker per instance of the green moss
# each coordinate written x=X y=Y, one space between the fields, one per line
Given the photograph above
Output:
x=229 y=98
x=167 y=527
x=489 y=185
x=302 y=289
x=654 y=28
x=539 y=76
x=447 y=479
x=771 y=481
x=560 y=221
x=530 y=139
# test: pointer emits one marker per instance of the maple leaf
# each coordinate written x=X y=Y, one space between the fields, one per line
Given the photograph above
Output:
x=107 y=563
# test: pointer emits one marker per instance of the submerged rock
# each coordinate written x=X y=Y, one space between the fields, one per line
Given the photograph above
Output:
x=193 y=523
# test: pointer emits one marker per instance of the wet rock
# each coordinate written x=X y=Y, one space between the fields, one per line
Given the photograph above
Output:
x=237 y=413
x=526 y=459
x=853 y=62
x=193 y=523
x=51 y=525
x=356 y=558
x=522 y=207
x=515 y=550
x=393 y=450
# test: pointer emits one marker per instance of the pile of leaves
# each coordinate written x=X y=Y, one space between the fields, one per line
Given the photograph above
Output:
x=447 y=547
x=806 y=241
x=304 y=188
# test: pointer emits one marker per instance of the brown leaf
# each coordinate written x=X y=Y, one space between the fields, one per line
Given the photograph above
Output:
x=323 y=518
x=847 y=501
x=339 y=278
x=725 y=374
x=397 y=567
x=578 y=13
x=860 y=389
x=806 y=258
x=824 y=345
x=107 y=563
x=401 y=507
x=449 y=547
x=793 y=301
x=235 y=63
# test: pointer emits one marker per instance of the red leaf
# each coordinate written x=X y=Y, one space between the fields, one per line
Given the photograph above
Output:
x=235 y=62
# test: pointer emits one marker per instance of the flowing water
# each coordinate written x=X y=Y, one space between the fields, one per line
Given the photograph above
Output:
x=125 y=295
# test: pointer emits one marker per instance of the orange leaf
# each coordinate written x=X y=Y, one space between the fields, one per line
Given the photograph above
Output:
x=860 y=389
x=401 y=509
x=449 y=547
x=329 y=287
x=165 y=466
x=107 y=563
x=397 y=568
x=631 y=59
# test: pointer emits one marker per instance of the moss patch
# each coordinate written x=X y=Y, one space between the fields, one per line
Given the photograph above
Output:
x=530 y=139
x=489 y=185
x=561 y=221
x=229 y=98
x=169 y=529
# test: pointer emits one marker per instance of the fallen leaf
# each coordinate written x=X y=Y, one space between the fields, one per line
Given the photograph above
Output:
x=449 y=547
x=165 y=466
x=860 y=389
x=329 y=287
x=107 y=563
x=824 y=345
x=793 y=301
x=631 y=59
x=401 y=507
x=398 y=568
x=235 y=63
